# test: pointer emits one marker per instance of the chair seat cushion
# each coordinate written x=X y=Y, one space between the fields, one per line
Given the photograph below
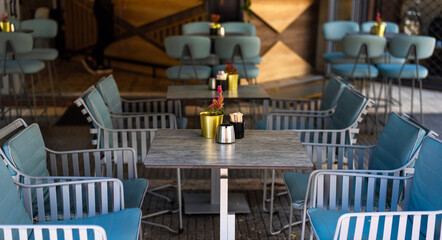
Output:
x=237 y=60
x=325 y=221
x=361 y=70
x=337 y=57
x=252 y=70
x=134 y=192
x=187 y=72
x=43 y=54
x=28 y=66
x=211 y=60
x=387 y=58
x=119 y=225
x=409 y=72
x=297 y=187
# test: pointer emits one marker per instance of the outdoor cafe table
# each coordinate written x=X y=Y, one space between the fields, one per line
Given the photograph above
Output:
x=246 y=92
x=259 y=149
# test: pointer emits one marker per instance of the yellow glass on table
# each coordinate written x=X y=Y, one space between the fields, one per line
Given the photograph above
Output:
x=213 y=116
x=379 y=27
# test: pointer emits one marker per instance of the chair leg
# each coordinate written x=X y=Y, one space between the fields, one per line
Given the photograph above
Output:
x=51 y=82
x=421 y=103
x=399 y=82
x=34 y=115
x=412 y=97
x=43 y=98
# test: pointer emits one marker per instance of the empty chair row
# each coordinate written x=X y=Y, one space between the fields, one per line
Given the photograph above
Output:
x=203 y=28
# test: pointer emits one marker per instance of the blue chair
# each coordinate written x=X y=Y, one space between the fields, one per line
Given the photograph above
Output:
x=395 y=149
x=336 y=127
x=412 y=48
x=390 y=28
x=12 y=44
x=188 y=47
x=108 y=89
x=44 y=29
x=326 y=103
x=78 y=220
x=336 y=31
x=195 y=28
x=135 y=131
x=242 y=47
x=379 y=217
x=239 y=28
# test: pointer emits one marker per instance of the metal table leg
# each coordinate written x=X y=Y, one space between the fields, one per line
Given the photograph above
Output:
x=227 y=221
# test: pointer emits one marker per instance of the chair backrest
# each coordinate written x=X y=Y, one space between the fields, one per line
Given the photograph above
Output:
x=97 y=108
x=109 y=91
x=390 y=28
x=240 y=27
x=331 y=94
x=348 y=108
x=351 y=45
x=20 y=42
x=397 y=144
x=26 y=151
x=400 y=46
x=196 y=28
x=198 y=47
x=12 y=210
x=225 y=47
x=335 y=31
x=42 y=28
x=15 y=22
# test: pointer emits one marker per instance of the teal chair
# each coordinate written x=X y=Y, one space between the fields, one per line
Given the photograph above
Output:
x=12 y=44
x=45 y=30
x=326 y=103
x=134 y=131
x=242 y=47
x=247 y=29
x=15 y=22
x=390 y=28
x=413 y=48
x=188 y=47
x=108 y=89
x=78 y=218
x=195 y=28
x=336 y=31
x=336 y=127
x=396 y=206
x=395 y=148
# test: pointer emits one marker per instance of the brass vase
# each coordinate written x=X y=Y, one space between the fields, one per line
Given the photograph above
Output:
x=233 y=82
x=209 y=124
x=378 y=29
x=6 y=26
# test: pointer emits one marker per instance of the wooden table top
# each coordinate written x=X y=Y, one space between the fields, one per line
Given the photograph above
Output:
x=203 y=92
x=259 y=149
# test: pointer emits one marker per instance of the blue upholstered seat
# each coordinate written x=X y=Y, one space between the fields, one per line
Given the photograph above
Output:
x=390 y=28
x=335 y=31
x=28 y=66
x=134 y=191
x=239 y=27
x=43 y=54
x=361 y=70
x=118 y=226
x=408 y=72
x=337 y=57
x=425 y=195
x=386 y=58
x=196 y=28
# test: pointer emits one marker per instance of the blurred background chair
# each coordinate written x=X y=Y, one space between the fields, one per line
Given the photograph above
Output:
x=247 y=29
x=239 y=47
x=188 y=47
x=195 y=28
x=413 y=48
x=334 y=32
x=404 y=206
x=12 y=44
x=44 y=30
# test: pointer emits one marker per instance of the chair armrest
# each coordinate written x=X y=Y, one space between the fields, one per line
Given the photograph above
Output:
x=54 y=232
x=157 y=105
x=295 y=104
x=375 y=219
x=52 y=201
x=148 y=120
x=301 y=120
x=107 y=162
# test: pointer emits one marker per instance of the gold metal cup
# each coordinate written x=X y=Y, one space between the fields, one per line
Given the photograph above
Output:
x=378 y=29
x=209 y=124
x=233 y=82
x=6 y=26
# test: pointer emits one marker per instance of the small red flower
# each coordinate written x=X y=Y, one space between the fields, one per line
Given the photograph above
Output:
x=215 y=108
x=378 y=17
x=229 y=68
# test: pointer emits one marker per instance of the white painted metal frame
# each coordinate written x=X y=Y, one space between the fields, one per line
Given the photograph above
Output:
x=67 y=231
